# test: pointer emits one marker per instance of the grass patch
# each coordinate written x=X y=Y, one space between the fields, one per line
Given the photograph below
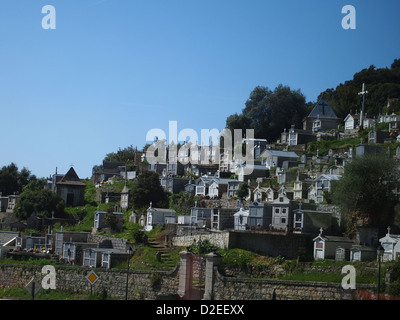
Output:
x=23 y=294
x=239 y=258
x=30 y=261
x=145 y=259
x=313 y=276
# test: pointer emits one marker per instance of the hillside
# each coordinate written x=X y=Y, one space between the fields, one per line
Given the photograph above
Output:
x=382 y=84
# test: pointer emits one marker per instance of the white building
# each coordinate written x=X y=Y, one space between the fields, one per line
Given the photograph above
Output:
x=240 y=219
x=325 y=246
x=391 y=246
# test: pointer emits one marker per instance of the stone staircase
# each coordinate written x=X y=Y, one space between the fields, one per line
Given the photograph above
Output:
x=163 y=251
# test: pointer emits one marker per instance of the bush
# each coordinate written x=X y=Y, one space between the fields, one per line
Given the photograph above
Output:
x=155 y=281
x=238 y=258
x=138 y=234
x=203 y=248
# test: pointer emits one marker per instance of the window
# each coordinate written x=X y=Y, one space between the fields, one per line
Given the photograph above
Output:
x=90 y=258
x=59 y=242
x=105 y=263
x=199 y=190
x=69 y=251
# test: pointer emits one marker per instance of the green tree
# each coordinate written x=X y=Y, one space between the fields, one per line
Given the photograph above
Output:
x=270 y=112
x=243 y=191
x=35 y=199
x=124 y=155
x=12 y=180
x=365 y=192
x=381 y=84
x=182 y=202
x=146 y=189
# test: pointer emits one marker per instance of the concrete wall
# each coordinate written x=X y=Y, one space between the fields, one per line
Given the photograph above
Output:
x=288 y=245
x=219 y=239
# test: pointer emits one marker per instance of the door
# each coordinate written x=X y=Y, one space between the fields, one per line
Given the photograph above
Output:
x=319 y=254
x=70 y=200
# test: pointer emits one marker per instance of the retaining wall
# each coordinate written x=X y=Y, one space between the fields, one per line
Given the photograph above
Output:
x=141 y=284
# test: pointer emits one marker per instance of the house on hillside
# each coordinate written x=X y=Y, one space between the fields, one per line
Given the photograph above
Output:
x=275 y=158
x=71 y=189
x=351 y=122
x=260 y=216
x=12 y=202
x=294 y=137
x=218 y=188
x=159 y=216
x=173 y=184
x=311 y=221
x=263 y=194
x=281 y=213
x=200 y=217
x=103 y=219
x=103 y=257
x=124 y=202
x=240 y=219
x=325 y=246
x=391 y=246
x=321 y=184
x=378 y=136
x=321 y=118
x=62 y=237
x=233 y=187
x=202 y=185
x=259 y=145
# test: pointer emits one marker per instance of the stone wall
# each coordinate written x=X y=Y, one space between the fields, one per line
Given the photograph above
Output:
x=267 y=289
x=220 y=287
x=141 y=284
x=228 y=288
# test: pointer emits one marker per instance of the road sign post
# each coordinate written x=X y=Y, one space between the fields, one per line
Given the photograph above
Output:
x=33 y=287
x=92 y=277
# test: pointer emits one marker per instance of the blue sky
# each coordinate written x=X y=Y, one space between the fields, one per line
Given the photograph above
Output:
x=114 y=69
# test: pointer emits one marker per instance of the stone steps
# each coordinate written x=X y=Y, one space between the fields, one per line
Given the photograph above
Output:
x=162 y=250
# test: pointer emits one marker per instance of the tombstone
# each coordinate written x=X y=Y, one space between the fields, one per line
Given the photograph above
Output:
x=133 y=217
x=342 y=254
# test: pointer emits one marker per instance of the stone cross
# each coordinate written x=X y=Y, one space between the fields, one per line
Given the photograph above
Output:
x=362 y=97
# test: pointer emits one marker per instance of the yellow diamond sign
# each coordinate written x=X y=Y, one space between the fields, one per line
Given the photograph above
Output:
x=92 y=277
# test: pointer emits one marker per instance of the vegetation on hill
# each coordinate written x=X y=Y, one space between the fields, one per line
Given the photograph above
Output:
x=382 y=84
x=365 y=192
x=13 y=180
x=269 y=112
x=38 y=200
